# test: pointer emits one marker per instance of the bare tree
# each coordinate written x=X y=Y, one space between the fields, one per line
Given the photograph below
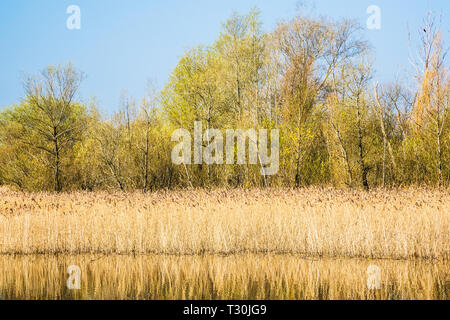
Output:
x=148 y=114
x=386 y=142
x=52 y=113
x=431 y=102
x=361 y=76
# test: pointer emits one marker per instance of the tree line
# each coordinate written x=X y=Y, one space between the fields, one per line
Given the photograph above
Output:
x=311 y=78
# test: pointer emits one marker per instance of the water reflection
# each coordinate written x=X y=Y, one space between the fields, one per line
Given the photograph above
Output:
x=214 y=277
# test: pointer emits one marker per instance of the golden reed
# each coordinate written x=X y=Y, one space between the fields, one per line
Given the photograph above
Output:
x=398 y=224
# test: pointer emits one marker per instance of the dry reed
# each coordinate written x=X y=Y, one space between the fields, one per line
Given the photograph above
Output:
x=398 y=224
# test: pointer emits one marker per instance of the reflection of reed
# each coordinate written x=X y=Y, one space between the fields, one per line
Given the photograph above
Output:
x=213 y=277
x=401 y=224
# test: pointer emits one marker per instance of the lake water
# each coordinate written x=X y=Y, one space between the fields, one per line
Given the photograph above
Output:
x=219 y=277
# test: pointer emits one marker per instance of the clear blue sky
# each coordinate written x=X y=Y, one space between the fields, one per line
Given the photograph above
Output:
x=122 y=44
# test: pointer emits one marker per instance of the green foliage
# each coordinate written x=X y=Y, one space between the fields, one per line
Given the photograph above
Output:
x=309 y=78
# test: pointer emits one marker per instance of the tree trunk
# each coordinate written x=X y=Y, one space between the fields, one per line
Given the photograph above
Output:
x=345 y=154
x=146 y=161
x=299 y=150
x=439 y=149
x=58 y=186
x=364 y=169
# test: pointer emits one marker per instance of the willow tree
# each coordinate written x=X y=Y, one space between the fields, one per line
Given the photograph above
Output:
x=241 y=47
x=194 y=95
x=310 y=50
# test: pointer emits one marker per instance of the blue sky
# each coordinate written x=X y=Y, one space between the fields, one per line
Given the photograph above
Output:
x=122 y=44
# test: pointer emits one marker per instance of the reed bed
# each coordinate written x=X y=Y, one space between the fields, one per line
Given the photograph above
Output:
x=396 y=224
x=255 y=277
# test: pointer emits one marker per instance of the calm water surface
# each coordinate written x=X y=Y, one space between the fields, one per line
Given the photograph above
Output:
x=213 y=277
